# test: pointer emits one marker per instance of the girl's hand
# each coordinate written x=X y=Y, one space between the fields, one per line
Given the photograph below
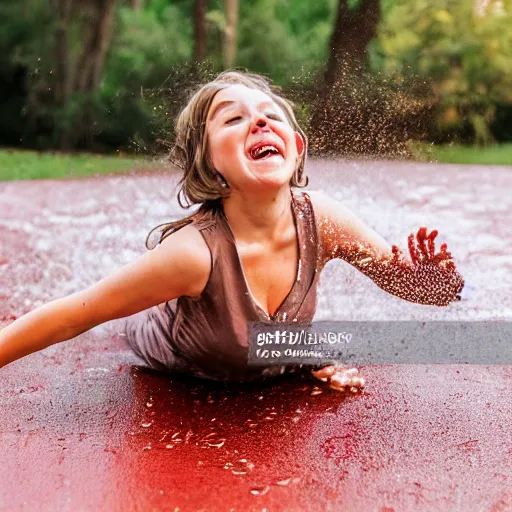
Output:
x=341 y=379
x=422 y=250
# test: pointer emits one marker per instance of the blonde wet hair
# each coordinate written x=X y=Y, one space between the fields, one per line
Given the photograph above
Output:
x=200 y=182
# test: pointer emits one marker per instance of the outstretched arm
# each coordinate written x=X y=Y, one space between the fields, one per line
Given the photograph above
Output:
x=427 y=278
x=179 y=266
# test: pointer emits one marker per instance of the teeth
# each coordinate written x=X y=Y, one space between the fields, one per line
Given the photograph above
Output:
x=261 y=149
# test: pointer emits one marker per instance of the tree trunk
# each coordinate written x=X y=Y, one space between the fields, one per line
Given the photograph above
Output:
x=200 y=30
x=230 y=39
x=94 y=20
x=355 y=112
x=95 y=45
x=104 y=39
x=349 y=41
x=340 y=106
x=136 y=4
x=63 y=84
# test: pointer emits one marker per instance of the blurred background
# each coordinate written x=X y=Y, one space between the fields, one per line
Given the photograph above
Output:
x=415 y=79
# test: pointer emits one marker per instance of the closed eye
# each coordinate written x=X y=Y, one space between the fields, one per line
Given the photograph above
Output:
x=270 y=116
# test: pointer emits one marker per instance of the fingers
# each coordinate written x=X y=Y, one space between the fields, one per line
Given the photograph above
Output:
x=347 y=381
x=444 y=258
x=422 y=249
x=415 y=255
x=444 y=251
x=431 y=244
x=324 y=373
x=422 y=237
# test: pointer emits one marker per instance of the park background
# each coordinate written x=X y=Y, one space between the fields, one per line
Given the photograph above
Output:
x=92 y=87
x=406 y=79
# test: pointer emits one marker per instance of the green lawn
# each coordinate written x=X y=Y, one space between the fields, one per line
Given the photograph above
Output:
x=491 y=155
x=29 y=165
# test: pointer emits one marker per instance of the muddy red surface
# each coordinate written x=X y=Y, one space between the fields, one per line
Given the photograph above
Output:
x=84 y=426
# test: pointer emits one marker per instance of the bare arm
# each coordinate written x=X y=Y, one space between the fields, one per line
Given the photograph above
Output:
x=428 y=278
x=179 y=266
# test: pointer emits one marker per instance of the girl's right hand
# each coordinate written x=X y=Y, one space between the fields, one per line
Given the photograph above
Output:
x=343 y=379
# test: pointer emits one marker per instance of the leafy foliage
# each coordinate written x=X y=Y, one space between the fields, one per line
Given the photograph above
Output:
x=467 y=55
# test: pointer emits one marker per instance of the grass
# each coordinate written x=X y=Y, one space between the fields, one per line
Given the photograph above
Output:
x=30 y=165
x=455 y=154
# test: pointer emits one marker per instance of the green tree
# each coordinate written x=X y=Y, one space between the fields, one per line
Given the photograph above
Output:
x=465 y=51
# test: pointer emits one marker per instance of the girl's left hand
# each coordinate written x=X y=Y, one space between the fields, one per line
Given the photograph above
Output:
x=341 y=379
x=422 y=250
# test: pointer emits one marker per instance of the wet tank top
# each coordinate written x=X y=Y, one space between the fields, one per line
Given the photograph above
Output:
x=211 y=331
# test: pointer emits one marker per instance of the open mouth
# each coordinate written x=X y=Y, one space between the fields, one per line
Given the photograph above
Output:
x=264 y=152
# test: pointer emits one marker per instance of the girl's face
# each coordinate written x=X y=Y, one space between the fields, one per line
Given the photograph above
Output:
x=250 y=140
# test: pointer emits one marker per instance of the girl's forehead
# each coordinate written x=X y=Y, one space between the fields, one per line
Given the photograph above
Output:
x=236 y=91
x=240 y=94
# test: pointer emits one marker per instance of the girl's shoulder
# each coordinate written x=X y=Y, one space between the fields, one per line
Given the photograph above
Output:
x=193 y=247
x=322 y=204
x=328 y=209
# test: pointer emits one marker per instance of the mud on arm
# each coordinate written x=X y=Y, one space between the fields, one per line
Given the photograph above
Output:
x=426 y=278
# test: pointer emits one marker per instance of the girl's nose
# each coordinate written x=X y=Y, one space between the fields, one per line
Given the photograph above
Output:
x=259 y=122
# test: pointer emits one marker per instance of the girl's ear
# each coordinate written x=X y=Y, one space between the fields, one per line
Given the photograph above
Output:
x=300 y=143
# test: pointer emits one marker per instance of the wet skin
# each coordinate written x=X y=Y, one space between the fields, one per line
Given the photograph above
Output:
x=241 y=118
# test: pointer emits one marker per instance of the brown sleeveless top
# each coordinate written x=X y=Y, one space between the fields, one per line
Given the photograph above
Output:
x=211 y=331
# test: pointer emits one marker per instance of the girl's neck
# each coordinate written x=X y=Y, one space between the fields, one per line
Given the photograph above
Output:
x=258 y=217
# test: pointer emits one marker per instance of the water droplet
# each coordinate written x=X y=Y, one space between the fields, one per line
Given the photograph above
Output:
x=188 y=435
x=286 y=481
x=148 y=447
x=149 y=404
x=169 y=446
x=146 y=425
x=260 y=491
x=218 y=444
x=316 y=391
x=238 y=472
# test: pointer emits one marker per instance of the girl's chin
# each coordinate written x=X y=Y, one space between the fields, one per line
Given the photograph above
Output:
x=271 y=167
x=272 y=174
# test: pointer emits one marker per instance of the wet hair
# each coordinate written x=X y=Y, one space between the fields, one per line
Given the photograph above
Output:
x=200 y=182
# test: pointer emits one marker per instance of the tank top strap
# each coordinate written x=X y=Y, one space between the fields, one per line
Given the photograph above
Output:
x=311 y=238
x=227 y=282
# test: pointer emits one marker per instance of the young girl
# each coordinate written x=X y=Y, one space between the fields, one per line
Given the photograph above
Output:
x=253 y=251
